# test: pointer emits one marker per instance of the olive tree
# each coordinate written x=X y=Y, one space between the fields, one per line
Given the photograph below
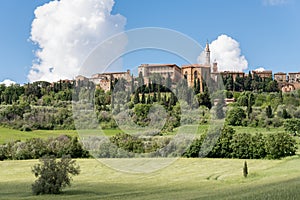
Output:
x=53 y=175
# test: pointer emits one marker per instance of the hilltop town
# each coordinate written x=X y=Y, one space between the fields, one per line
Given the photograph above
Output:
x=287 y=82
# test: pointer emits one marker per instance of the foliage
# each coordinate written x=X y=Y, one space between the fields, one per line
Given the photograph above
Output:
x=245 y=145
x=128 y=142
x=35 y=148
x=245 y=169
x=235 y=116
x=53 y=175
x=292 y=126
x=279 y=145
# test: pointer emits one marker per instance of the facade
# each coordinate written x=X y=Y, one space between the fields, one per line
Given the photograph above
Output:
x=233 y=74
x=194 y=72
x=280 y=77
x=164 y=70
x=199 y=71
x=103 y=80
x=294 y=77
x=263 y=74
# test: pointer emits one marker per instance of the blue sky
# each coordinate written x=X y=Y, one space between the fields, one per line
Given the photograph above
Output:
x=268 y=31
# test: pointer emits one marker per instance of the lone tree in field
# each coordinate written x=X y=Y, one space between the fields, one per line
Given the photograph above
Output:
x=53 y=175
x=245 y=169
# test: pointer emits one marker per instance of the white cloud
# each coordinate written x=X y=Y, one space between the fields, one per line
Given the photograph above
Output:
x=274 y=2
x=226 y=51
x=260 y=69
x=8 y=82
x=66 y=31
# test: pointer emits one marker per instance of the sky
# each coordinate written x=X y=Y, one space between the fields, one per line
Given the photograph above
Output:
x=49 y=41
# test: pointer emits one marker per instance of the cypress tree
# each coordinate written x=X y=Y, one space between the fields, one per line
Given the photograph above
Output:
x=154 y=97
x=269 y=111
x=249 y=106
x=143 y=101
x=159 y=95
x=136 y=99
x=198 y=86
x=245 y=169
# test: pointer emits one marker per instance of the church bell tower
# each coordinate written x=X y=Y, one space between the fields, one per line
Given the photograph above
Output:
x=207 y=54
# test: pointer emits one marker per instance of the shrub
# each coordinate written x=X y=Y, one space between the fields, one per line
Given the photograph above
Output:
x=128 y=142
x=280 y=145
x=235 y=116
x=241 y=146
x=53 y=175
x=292 y=126
x=35 y=148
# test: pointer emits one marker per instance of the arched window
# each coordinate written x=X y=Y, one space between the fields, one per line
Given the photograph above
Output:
x=185 y=75
x=195 y=75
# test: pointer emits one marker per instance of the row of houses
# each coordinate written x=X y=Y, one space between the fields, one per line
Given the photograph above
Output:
x=287 y=82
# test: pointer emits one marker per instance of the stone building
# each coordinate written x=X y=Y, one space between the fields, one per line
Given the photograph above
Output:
x=103 y=80
x=233 y=74
x=294 y=77
x=164 y=70
x=194 y=72
x=280 y=77
x=202 y=72
x=263 y=74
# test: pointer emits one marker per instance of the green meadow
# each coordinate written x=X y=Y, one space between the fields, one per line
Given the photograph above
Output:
x=199 y=178
x=184 y=179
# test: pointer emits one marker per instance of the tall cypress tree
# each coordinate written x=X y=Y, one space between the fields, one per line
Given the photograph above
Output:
x=154 y=97
x=136 y=99
x=143 y=101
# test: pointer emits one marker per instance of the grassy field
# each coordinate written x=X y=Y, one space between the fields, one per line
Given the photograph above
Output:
x=7 y=135
x=184 y=179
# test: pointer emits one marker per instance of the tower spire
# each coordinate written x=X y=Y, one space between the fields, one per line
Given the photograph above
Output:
x=207 y=54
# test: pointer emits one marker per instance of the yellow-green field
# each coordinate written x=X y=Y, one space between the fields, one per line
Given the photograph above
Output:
x=184 y=179
x=7 y=134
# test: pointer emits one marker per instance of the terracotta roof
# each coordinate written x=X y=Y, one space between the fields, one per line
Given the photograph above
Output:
x=195 y=65
x=158 y=65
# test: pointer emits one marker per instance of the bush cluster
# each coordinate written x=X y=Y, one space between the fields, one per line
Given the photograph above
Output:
x=245 y=146
x=36 y=148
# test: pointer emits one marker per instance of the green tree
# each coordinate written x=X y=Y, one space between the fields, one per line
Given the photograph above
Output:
x=269 y=111
x=279 y=145
x=292 y=126
x=235 y=116
x=136 y=98
x=143 y=100
x=249 y=105
x=53 y=175
x=219 y=108
x=245 y=169
x=285 y=114
x=204 y=99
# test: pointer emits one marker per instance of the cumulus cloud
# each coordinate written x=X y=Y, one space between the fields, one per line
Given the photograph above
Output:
x=66 y=31
x=8 y=82
x=274 y=2
x=260 y=69
x=226 y=51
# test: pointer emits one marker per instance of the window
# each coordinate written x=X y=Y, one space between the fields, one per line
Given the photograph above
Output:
x=185 y=75
x=195 y=75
